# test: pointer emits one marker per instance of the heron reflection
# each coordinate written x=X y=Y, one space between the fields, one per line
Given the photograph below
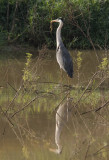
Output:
x=61 y=119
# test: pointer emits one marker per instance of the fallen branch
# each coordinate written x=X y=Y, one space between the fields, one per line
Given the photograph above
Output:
x=6 y=116
x=95 y=88
x=99 y=151
x=11 y=86
x=23 y=108
x=96 y=109
x=85 y=90
x=17 y=93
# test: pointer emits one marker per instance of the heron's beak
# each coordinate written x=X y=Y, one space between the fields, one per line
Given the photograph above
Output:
x=51 y=24
x=53 y=21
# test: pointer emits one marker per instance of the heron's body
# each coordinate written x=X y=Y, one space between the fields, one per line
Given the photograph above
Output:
x=62 y=55
x=64 y=60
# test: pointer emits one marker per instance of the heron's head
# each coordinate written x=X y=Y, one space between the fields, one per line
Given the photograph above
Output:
x=59 y=20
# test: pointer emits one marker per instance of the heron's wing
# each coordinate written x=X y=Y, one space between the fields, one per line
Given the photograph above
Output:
x=67 y=60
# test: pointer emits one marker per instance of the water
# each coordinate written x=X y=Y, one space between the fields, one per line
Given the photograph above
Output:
x=32 y=132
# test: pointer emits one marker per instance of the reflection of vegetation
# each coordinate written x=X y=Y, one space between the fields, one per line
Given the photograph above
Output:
x=25 y=152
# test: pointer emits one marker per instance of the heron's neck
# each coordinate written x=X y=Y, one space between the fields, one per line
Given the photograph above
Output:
x=58 y=34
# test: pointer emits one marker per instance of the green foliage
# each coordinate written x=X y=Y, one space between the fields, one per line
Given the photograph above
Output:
x=25 y=21
x=27 y=73
x=79 y=60
x=104 y=64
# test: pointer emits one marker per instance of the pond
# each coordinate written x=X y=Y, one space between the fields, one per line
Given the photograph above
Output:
x=51 y=116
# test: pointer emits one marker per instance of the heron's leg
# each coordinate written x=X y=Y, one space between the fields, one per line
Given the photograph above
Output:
x=68 y=84
x=68 y=81
x=61 y=76
x=61 y=80
x=67 y=111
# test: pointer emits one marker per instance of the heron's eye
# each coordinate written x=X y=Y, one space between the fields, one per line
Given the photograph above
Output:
x=60 y=18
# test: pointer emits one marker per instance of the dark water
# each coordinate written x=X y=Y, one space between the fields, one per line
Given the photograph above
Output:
x=33 y=134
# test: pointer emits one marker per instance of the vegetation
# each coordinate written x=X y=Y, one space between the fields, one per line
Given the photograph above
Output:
x=28 y=22
x=27 y=74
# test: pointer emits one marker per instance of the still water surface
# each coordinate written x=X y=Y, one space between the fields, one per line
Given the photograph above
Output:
x=83 y=137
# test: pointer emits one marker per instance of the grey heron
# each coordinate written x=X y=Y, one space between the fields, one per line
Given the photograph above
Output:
x=62 y=55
